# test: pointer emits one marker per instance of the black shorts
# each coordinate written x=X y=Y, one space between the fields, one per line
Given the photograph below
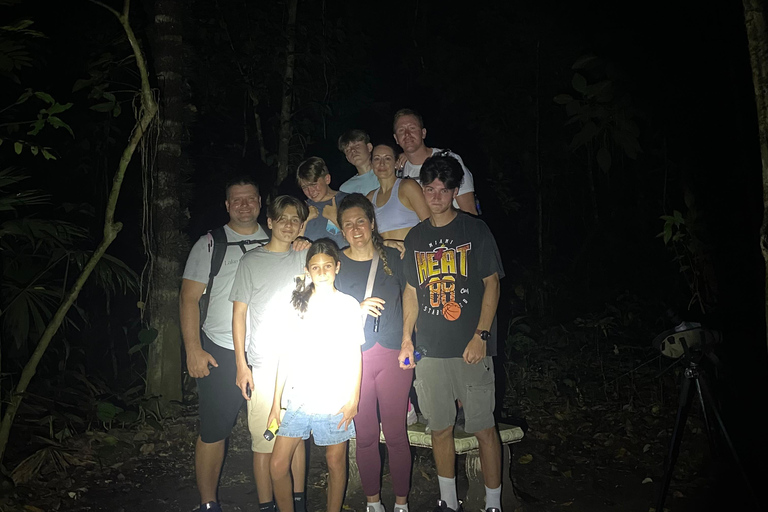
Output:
x=219 y=398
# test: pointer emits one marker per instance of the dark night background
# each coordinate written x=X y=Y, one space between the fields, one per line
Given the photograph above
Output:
x=484 y=76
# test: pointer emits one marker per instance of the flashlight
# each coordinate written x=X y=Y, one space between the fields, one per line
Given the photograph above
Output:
x=376 y=321
x=269 y=434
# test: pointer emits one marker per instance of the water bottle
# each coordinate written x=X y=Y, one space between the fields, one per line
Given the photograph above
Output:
x=418 y=353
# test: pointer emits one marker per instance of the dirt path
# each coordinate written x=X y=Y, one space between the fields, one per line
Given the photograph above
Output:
x=149 y=471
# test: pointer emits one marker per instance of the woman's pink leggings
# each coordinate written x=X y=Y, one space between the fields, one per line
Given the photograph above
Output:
x=384 y=383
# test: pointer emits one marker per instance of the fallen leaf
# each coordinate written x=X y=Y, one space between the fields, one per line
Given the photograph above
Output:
x=567 y=474
x=525 y=459
x=72 y=495
x=621 y=453
x=678 y=494
x=566 y=504
x=646 y=448
x=647 y=481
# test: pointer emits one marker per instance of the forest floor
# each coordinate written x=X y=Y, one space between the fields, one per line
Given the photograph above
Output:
x=598 y=422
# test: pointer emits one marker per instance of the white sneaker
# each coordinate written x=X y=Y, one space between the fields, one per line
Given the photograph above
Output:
x=412 y=417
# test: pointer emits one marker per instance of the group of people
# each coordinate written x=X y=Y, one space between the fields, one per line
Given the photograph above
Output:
x=321 y=325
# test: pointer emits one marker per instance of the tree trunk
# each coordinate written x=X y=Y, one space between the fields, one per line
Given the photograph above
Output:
x=757 y=37
x=111 y=229
x=287 y=111
x=164 y=364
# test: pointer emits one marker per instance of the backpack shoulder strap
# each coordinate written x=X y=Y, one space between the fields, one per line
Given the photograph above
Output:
x=219 y=251
x=217 y=238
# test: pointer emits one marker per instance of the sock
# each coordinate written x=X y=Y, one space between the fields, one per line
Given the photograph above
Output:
x=448 y=492
x=299 y=502
x=267 y=507
x=376 y=506
x=493 y=498
x=400 y=508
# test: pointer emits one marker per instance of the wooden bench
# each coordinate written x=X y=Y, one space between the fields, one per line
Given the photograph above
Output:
x=466 y=444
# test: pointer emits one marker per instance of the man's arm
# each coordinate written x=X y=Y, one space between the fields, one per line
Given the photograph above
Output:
x=466 y=203
x=244 y=375
x=189 y=313
x=476 y=349
x=410 y=313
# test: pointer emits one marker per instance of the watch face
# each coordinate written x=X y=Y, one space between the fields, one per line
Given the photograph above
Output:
x=485 y=335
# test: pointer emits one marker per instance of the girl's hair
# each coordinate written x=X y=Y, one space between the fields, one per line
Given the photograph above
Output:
x=360 y=201
x=302 y=293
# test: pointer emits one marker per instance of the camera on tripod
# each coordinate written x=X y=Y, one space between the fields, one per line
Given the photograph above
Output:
x=675 y=343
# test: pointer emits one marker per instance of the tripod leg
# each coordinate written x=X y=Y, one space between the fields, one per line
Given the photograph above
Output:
x=708 y=399
x=686 y=391
x=705 y=412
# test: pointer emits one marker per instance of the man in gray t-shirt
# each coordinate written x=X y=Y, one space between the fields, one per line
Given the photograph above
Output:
x=261 y=298
x=210 y=351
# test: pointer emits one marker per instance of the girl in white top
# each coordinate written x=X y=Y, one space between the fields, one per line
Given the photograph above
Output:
x=318 y=376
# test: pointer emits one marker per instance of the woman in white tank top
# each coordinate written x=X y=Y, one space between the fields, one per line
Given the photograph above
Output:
x=399 y=203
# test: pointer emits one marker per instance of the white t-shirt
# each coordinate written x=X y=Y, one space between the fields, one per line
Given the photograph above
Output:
x=467 y=184
x=324 y=353
x=218 y=322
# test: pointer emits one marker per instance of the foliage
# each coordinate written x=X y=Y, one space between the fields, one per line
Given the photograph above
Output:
x=684 y=236
x=603 y=111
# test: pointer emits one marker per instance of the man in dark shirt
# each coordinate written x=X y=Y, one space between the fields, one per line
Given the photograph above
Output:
x=453 y=269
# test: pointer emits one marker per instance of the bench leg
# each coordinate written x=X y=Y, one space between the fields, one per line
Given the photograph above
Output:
x=476 y=493
x=353 y=475
x=509 y=499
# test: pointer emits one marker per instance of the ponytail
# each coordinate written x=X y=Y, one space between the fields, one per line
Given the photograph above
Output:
x=378 y=244
x=300 y=296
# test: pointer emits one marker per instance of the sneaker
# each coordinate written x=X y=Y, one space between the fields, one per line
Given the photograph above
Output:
x=492 y=509
x=412 y=416
x=443 y=507
x=211 y=506
x=373 y=509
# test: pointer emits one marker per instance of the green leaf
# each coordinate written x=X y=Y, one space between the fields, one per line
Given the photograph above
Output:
x=47 y=154
x=584 y=136
x=56 y=122
x=36 y=127
x=604 y=159
x=579 y=83
x=574 y=108
x=135 y=348
x=103 y=107
x=34 y=150
x=667 y=233
x=81 y=83
x=45 y=97
x=58 y=108
x=107 y=411
x=147 y=336
x=18 y=147
x=563 y=99
x=585 y=61
x=117 y=110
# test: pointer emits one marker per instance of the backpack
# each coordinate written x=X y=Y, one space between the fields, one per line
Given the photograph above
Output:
x=217 y=239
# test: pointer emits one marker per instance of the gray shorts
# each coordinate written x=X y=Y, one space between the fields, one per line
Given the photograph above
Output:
x=442 y=381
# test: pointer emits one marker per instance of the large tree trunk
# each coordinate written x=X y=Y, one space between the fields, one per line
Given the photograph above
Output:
x=287 y=111
x=757 y=36
x=164 y=364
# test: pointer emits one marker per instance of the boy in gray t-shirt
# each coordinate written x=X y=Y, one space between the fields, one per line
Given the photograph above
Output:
x=261 y=298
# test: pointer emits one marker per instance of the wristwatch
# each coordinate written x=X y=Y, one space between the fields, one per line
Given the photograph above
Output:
x=484 y=335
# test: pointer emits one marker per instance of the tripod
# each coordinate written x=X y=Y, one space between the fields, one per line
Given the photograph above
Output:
x=694 y=378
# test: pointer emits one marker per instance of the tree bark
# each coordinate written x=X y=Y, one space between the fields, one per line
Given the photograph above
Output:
x=287 y=111
x=164 y=362
x=757 y=37
x=111 y=229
